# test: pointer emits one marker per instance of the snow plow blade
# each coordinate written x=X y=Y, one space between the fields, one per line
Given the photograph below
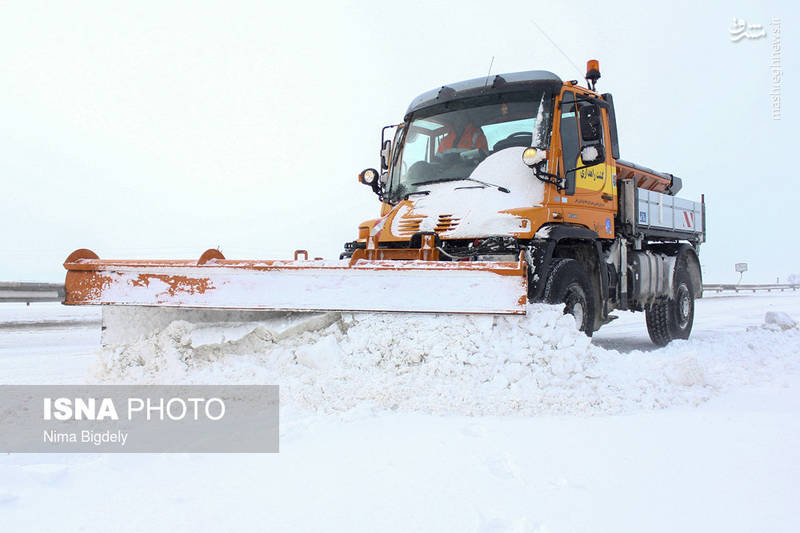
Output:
x=372 y=280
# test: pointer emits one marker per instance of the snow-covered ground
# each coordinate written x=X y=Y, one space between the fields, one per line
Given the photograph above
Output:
x=47 y=342
x=523 y=426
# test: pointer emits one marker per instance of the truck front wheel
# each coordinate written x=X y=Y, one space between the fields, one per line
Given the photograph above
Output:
x=569 y=284
x=673 y=318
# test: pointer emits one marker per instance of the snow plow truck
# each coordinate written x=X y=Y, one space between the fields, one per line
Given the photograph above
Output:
x=494 y=192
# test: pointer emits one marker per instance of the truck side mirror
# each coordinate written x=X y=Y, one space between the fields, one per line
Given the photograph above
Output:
x=386 y=154
x=591 y=122
x=592 y=154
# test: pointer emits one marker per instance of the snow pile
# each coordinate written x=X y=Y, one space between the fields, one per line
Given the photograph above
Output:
x=467 y=364
x=778 y=320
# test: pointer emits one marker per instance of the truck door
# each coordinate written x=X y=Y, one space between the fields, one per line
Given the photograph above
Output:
x=570 y=144
x=590 y=190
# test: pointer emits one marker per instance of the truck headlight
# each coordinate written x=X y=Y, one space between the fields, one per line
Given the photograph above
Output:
x=368 y=176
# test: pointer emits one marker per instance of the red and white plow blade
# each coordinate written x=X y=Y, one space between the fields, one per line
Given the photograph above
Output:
x=213 y=282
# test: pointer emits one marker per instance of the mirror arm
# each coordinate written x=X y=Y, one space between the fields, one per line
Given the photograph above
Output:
x=584 y=166
x=377 y=187
x=560 y=183
x=591 y=99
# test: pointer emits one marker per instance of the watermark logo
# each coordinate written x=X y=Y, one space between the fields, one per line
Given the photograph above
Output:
x=105 y=408
x=146 y=418
x=775 y=67
x=740 y=29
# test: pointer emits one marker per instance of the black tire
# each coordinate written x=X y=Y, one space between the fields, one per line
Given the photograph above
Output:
x=673 y=319
x=568 y=283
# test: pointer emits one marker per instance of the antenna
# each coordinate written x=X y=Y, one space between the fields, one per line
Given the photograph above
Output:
x=571 y=62
x=490 y=72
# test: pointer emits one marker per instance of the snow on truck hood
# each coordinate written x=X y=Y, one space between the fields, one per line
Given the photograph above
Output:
x=475 y=209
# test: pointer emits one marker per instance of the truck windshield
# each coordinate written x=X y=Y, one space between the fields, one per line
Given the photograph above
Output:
x=448 y=146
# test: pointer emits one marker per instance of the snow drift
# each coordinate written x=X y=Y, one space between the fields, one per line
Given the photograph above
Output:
x=467 y=364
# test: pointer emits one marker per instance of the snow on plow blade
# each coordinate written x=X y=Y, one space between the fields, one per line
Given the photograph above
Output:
x=299 y=285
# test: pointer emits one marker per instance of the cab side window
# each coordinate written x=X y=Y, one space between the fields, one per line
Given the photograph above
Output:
x=570 y=143
x=591 y=124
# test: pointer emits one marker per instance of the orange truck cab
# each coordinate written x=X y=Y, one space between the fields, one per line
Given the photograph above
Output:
x=527 y=165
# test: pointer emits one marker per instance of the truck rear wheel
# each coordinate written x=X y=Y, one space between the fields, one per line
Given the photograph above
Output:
x=568 y=283
x=673 y=319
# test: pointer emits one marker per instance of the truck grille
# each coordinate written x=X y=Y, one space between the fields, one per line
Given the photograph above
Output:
x=446 y=223
x=409 y=225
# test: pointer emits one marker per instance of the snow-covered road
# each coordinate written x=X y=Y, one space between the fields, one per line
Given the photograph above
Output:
x=47 y=342
x=729 y=461
x=715 y=315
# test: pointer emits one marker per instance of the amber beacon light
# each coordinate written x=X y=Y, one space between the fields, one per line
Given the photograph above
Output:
x=592 y=72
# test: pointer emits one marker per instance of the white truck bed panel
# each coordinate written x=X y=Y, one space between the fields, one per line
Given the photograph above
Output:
x=662 y=211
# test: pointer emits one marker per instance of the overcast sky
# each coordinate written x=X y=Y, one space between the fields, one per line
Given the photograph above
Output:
x=141 y=130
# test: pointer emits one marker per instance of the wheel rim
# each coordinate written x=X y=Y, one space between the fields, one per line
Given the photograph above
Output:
x=575 y=305
x=684 y=306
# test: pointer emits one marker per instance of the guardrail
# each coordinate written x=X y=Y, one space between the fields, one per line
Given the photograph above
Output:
x=24 y=292
x=725 y=287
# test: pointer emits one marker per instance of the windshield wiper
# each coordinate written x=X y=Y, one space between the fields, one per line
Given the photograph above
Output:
x=424 y=193
x=498 y=187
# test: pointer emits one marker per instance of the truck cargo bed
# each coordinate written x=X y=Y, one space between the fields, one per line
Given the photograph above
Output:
x=651 y=214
